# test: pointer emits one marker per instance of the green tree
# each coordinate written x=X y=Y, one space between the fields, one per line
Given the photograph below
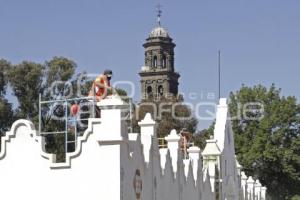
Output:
x=26 y=80
x=4 y=66
x=296 y=197
x=6 y=116
x=268 y=143
x=169 y=114
x=29 y=79
x=200 y=137
x=6 y=111
x=59 y=69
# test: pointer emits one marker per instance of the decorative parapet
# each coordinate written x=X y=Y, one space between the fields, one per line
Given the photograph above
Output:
x=263 y=193
x=173 y=146
x=113 y=119
x=194 y=154
x=257 y=189
x=163 y=157
x=147 y=132
x=107 y=147
x=244 y=185
x=250 y=189
x=211 y=149
x=220 y=125
x=12 y=134
x=220 y=163
x=211 y=161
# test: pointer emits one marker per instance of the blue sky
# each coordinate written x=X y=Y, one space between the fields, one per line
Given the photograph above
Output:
x=259 y=39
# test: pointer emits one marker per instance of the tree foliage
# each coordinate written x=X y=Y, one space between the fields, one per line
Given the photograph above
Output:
x=6 y=111
x=200 y=138
x=269 y=147
x=169 y=114
x=26 y=80
x=59 y=69
x=4 y=66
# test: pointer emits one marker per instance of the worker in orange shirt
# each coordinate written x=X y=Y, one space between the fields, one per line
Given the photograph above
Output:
x=101 y=87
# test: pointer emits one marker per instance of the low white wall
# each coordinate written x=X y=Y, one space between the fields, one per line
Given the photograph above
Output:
x=26 y=173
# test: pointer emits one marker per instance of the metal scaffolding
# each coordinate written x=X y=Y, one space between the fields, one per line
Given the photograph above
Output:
x=72 y=124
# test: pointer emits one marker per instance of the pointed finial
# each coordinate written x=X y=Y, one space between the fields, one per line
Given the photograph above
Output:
x=159 y=12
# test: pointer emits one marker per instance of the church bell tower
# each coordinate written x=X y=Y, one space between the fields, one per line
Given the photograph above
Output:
x=158 y=76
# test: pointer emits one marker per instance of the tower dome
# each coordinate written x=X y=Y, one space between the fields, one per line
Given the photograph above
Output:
x=159 y=31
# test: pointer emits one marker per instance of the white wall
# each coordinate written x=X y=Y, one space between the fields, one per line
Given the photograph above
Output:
x=111 y=164
x=220 y=153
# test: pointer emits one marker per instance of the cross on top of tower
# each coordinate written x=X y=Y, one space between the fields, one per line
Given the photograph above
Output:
x=159 y=12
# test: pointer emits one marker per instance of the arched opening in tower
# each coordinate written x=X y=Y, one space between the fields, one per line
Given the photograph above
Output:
x=160 y=90
x=149 y=91
x=164 y=62
x=155 y=61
